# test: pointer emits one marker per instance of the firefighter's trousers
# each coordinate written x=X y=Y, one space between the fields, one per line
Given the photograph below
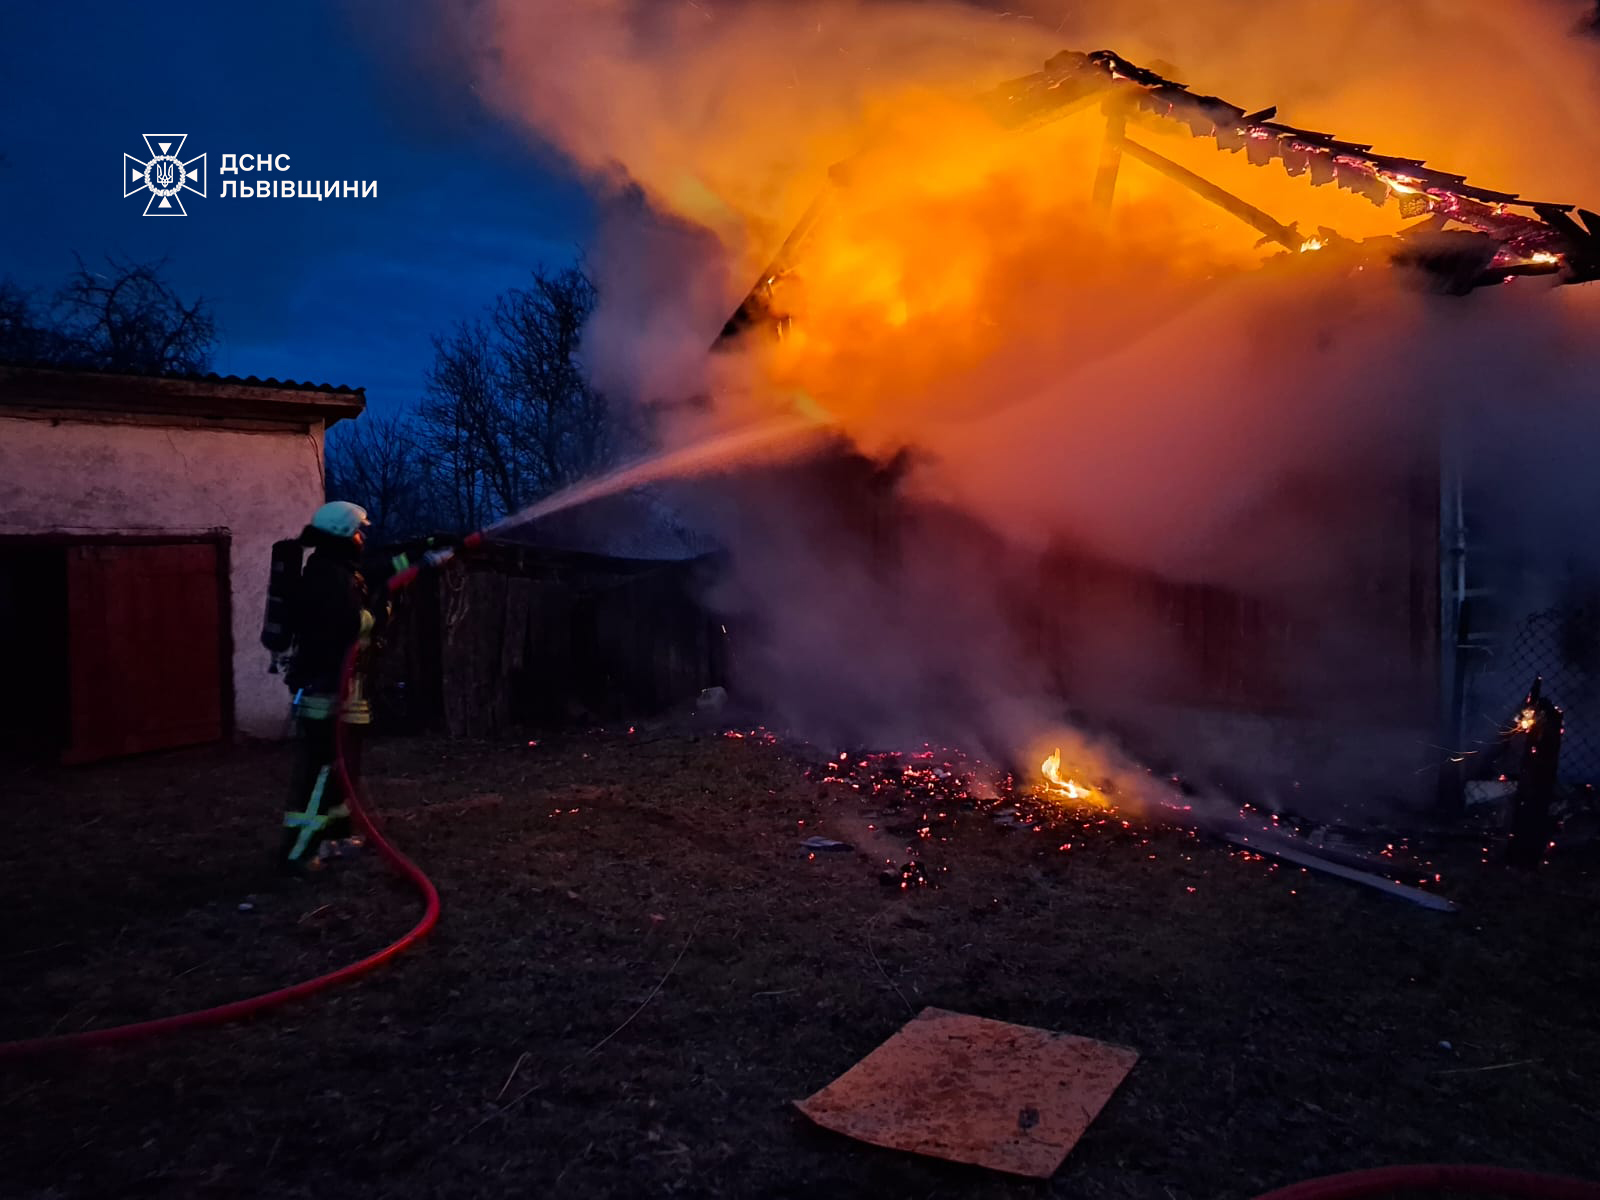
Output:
x=318 y=807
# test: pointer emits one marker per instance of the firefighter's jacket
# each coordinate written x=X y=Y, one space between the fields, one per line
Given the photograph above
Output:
x=331 y=614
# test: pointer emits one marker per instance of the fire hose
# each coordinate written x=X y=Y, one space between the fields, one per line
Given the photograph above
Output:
x=1439 y=1179
x=239 y=1009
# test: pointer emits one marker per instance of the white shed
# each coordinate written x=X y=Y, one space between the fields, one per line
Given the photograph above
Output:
x=137 y=517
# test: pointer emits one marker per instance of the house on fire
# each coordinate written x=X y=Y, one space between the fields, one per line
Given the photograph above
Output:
x=1411 y=705
x=136 y=520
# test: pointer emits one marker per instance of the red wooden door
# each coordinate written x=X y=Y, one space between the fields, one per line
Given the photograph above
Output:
x=144 y=648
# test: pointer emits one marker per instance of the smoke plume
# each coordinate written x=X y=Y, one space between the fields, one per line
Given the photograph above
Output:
x=1150 y=387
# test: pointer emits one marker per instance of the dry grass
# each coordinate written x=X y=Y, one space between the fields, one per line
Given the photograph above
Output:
x=638 y=968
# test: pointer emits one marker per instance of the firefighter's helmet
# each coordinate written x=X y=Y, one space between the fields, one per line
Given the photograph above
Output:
x=340 y=518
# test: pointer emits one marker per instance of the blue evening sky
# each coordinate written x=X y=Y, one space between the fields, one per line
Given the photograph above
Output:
x=343 y=291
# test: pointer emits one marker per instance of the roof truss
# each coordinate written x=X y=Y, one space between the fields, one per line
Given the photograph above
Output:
x=1499 y=234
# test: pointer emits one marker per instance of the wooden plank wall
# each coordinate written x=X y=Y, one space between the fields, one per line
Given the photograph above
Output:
x=1372 y=634
x=519 y=637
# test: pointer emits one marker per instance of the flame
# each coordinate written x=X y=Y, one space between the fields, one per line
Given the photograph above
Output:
x=958 y=242
x=1070 y=788
x=1402 y=185
x=1525 y=720
x=1544 y=256
x=1310 y=244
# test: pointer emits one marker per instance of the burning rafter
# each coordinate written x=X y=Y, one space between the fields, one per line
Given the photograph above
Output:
x=1503 y=235
x=1530 y=237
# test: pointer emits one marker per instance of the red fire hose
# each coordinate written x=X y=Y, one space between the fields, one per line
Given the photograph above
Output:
x=1440 y=1179
x=239 y=1009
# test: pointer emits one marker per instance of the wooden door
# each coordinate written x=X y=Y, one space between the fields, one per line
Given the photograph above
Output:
x=144 y=648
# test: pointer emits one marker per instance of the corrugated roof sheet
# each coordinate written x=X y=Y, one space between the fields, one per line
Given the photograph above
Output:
x=256 y=381
x=207 y=377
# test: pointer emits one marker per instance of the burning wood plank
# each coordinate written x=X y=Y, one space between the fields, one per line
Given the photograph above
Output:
x=1285 y=235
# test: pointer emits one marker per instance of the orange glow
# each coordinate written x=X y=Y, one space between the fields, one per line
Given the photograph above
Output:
x=957 y=241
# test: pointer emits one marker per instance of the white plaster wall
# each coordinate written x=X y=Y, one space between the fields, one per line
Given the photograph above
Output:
x=82 y=478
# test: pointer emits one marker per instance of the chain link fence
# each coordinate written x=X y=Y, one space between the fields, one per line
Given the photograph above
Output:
x=1561 y=646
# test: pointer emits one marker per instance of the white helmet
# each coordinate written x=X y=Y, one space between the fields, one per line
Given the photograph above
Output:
x=340 y=518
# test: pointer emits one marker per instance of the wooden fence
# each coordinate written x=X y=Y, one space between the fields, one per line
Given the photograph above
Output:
x=514 y=635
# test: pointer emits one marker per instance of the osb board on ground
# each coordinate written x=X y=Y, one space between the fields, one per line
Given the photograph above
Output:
x=1008 y=1097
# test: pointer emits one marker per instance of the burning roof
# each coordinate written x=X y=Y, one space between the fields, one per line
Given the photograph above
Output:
x=1464 y=236
x=1533 y=237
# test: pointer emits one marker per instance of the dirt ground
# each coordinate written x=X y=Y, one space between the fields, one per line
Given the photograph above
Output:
x=639 y=968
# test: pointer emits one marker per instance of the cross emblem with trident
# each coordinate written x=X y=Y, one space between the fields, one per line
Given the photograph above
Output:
x=164 y=175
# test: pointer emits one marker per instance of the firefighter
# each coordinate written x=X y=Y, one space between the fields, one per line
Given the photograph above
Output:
x=332 y=610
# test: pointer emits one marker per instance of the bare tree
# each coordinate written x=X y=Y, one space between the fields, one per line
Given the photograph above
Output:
x=125 y=318
x=509 y=415
x=374 y=460
x=460 y=427
x=506 y=416
x=128 y=318
x=559 y=427
x=26 y=335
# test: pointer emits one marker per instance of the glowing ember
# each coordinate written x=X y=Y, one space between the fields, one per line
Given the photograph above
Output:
x=1525 y=720
x=926 y=799
x=911 y=875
